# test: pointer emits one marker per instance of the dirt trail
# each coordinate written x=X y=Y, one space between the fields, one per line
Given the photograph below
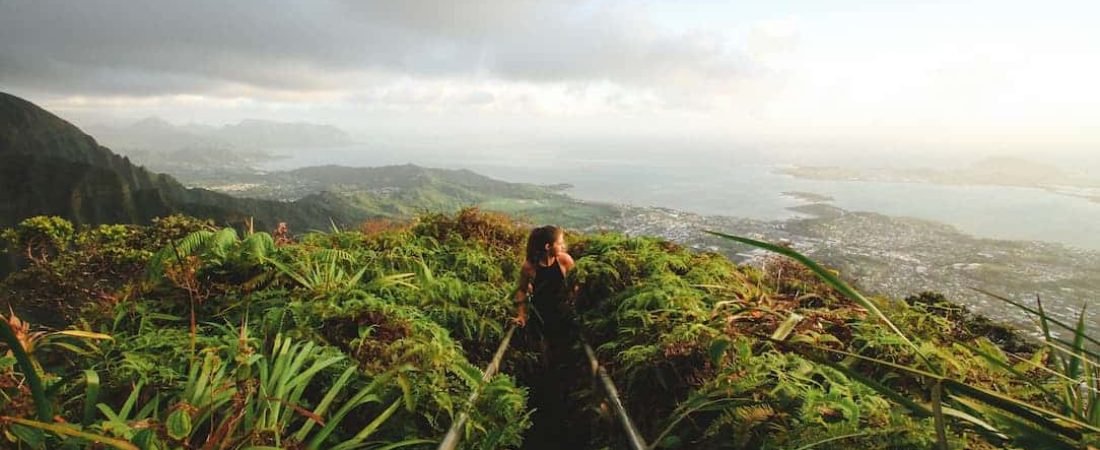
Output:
x=560 y=420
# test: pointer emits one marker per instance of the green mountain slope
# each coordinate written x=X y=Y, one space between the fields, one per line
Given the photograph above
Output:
x=49 y=167
x=406 y=191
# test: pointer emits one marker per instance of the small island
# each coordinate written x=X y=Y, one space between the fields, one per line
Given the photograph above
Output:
x=808 y=197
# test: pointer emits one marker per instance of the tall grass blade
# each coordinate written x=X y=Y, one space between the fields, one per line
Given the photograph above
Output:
x=1051 y=396
x=848 y=436
x=917 y=409
x=85 y=334
x=364 y=396
x=323 y=406
x=1062 y=424
x=983 y=427
x=131 y=400
x=405 y=443
x=1045 y=318
x=91 y=396
x=368 y=430
x=832 y=280
x=784 y=330
x=1066 y=349
x=1074 y=369
x=1094 y=401
x=1044 y=323
x=294 y=275
x=937 y=413
x=686 y=409
x=1042 y=416
x=38 y=392
x=1027 y=435
x=69 y=431
x=1051 y=372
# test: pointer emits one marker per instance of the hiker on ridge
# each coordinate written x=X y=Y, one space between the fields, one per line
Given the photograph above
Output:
x=542 y=288
x=549 y=329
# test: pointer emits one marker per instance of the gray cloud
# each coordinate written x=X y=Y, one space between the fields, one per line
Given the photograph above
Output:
x=101 y=47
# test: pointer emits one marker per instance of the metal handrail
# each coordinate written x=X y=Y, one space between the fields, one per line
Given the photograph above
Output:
x=450 y=440
x=454 y=434
x=632 y=434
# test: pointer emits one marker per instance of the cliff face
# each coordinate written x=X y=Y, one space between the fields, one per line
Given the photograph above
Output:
x=50 y=167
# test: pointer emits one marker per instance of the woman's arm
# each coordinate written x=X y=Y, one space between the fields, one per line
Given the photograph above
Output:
x=566 y=262
x=522 y=288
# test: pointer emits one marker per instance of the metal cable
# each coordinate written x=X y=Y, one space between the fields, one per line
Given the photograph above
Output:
x=632 y=434
x=450 y=440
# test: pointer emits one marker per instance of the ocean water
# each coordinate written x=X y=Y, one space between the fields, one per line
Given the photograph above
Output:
x=746 y=187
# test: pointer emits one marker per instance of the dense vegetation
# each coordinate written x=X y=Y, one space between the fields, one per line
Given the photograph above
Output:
x=185 y=335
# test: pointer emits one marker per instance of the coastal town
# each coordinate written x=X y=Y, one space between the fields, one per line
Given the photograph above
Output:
x=898 y=257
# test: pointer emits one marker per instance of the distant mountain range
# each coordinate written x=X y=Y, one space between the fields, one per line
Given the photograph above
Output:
x=154 y=134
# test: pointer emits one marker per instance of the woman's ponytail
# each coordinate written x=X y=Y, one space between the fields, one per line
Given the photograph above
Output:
x=537 y=240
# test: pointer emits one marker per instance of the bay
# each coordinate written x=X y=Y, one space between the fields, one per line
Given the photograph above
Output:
x=750 y=187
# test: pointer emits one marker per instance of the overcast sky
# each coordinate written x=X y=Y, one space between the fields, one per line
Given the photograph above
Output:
x=957 y=73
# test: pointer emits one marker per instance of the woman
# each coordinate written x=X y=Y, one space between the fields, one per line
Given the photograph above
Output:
x=542 y=290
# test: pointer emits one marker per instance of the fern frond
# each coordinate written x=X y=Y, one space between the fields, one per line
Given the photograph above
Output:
x=258 y=246
x=223 y=242
x=187 y=246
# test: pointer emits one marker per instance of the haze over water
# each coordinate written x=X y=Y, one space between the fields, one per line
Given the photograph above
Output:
x=751 y=188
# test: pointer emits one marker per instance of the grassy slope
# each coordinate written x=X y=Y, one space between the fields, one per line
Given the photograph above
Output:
x=403 y=192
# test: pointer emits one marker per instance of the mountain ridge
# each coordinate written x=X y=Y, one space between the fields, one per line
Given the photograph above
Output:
x=155 y=134
x=51 y=167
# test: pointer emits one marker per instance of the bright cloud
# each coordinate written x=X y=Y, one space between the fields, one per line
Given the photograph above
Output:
x=952 y=71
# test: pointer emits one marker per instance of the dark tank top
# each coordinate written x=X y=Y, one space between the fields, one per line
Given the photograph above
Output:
x=549 y=293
